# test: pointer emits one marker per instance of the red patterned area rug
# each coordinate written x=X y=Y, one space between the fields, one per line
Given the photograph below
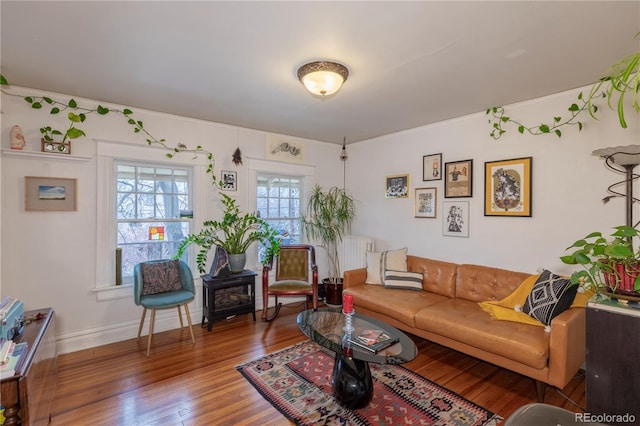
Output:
x=297 y=381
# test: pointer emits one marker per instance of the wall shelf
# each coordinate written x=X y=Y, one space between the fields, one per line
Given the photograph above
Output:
x=44 y=155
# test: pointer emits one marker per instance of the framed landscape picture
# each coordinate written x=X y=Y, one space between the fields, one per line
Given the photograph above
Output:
x=397 y=186
x=44 y=194
x=432 y=167
x=455 y=218
x=507 y=187
x=458 y=181
x=425 y=203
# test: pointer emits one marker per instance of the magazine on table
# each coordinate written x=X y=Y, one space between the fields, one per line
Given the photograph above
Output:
x=373 y=340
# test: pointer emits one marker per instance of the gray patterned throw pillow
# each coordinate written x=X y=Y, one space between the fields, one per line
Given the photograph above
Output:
x=550 y=296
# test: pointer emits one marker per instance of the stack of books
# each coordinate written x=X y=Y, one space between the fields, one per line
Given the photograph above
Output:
x=10 y=355
x=373 y=340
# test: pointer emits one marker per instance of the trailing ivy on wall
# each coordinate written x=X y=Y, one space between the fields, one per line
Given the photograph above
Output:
x=623 y=79
x=77 y=115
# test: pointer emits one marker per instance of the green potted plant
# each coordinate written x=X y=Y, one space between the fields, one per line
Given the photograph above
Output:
x=622 y=81
x=329 y=215
x=234 y=233
x=609 y=265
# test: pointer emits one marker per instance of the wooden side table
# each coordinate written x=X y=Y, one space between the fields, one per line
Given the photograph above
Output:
x=28 y=395
x=229 y=295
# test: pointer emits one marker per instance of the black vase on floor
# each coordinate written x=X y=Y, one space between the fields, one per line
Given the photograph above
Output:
x=333 y=291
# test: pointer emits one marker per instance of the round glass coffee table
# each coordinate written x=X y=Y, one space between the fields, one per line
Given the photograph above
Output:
x=351 y=380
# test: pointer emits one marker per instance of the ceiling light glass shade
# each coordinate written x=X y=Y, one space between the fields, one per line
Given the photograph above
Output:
x=323 y=78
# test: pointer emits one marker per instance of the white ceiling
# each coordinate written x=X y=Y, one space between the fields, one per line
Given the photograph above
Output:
x=411 y=63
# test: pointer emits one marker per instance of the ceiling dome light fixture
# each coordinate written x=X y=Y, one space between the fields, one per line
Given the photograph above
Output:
x=323 y=78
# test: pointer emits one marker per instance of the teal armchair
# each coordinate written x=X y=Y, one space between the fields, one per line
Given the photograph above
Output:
x=163 y=284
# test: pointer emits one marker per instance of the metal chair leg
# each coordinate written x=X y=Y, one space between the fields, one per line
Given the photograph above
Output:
x=144 y=313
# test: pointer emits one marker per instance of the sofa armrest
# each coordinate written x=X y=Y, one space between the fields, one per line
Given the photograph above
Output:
x=567 y=346
x=354 y=277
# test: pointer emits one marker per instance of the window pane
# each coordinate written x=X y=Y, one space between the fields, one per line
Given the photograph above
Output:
x=148 y=203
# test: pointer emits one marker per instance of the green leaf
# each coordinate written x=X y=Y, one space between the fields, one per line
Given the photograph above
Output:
x=3 y=81
x=73 y=133
x=557 y=119
x=569 y=260
x=72 y=103
x=47 y=100
x=83 y=117
x=28 y=99
x=36 y=105
x=169 y=155
x=54 y=110
x=582 y=259
x=558 y=133
x=579 y=126
x=74 y=117
x=544 y=128
x=102 y=110
x=56 y=132
x=580 y=96
x=140 y=123
x=521 y=129
x=131 y=121
x=127 y=111
x=574 y=107
x=505 y=119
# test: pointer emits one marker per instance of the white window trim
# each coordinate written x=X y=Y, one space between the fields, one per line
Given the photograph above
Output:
x=256 y=166
x=107 y=152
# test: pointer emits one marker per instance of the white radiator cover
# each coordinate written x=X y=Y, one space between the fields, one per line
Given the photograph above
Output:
x=352 y=252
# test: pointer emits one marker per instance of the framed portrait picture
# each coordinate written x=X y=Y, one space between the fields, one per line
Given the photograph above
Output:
x=455 y=218
x=229 y=180
x=47 y=194
x=432 y=167
x=458 y=180
x=425 y=203
x=397 y=186
x=507 y=187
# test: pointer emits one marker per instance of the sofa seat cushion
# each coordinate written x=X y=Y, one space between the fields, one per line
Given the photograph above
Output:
x=399 y=304
x=464 y=321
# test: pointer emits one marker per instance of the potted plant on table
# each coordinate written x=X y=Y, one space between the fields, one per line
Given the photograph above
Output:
x=328 y=216
x=609 y=266
x=234 y=233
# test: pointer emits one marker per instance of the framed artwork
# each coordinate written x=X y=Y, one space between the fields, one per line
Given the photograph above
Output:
x=432 y=167
x=455 y=218
x=47 y=194
x=397 y=186
x=287 y=149
x=507 y=187
x=229 y=180
x=425 y=203
x=458 y=181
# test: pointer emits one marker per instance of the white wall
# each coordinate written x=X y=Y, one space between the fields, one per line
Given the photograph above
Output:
x=49 y=258
x=568 y=186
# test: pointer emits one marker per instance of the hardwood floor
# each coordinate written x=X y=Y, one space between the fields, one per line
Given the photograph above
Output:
x=186 y=384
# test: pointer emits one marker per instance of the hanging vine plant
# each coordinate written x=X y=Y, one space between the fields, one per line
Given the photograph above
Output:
x=77 y=115
x=623 y=79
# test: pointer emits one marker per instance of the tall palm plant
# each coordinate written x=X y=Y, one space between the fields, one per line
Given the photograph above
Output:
x=328 y=217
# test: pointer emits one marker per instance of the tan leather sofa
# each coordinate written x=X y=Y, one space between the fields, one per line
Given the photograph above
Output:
x=446 y=311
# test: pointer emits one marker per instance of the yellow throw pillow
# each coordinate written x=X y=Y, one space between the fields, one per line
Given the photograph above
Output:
x=505 y=309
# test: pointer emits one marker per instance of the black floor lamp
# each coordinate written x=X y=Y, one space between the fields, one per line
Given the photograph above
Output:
x=622 y=159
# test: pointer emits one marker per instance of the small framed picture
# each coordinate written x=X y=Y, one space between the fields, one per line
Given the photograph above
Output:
x=507 y=187
x=397 y=186
x=47 y=194
x=229 y=180
x=425 y=203
x=432 y=167
x=458 y=181
x=455 y=218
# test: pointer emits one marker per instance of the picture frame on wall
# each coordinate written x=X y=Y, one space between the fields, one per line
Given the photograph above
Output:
x=455 y=218
x=50 y=194
x=425 y=203
x=432 y=167
x=458 y=180
x=507 y=187
x=229 y=180
x=397 y=186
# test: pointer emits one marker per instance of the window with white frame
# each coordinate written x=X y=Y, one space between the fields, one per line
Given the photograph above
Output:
x=278 y=201
x=153 y=207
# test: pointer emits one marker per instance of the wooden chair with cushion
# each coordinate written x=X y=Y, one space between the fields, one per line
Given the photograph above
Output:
x=163 y=284
x=296 y=274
